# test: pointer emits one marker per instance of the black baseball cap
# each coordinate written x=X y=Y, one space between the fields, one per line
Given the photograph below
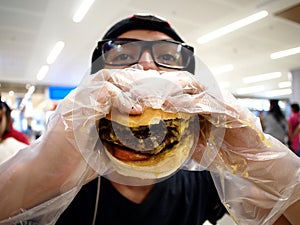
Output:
x=136 y=22
x=141 y=21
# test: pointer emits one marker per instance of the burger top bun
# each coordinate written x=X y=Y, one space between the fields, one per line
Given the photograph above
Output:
x=149 y=116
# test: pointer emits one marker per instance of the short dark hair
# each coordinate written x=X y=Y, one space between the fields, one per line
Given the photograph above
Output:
x=7 y=109
x=295 y=107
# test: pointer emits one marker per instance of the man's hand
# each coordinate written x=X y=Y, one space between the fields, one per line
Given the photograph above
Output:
x=61 y=158
x=257 y=177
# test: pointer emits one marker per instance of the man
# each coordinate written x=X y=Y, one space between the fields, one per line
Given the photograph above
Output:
x=293 y=123
x=275 y=123
x=248 y=190
x=133 y=208
x=9 y=146
x=11 y=131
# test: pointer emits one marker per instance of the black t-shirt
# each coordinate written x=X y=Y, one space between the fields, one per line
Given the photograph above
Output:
x=186 y=198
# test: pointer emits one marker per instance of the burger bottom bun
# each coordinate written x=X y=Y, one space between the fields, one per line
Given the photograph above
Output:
x=158 y=166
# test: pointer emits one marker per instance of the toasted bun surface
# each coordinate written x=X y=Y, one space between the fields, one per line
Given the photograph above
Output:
x=149 y=116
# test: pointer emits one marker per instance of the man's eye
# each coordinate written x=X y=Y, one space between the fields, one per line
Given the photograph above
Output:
x=122 y=58
x=167 y=58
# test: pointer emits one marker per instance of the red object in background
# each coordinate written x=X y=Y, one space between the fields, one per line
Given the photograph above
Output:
x=18 y=135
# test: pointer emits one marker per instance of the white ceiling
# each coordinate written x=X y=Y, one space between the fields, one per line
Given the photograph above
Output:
x=30 y=28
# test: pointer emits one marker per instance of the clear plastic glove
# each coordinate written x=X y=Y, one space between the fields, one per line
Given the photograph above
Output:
x=256 y=176
x=54 y=167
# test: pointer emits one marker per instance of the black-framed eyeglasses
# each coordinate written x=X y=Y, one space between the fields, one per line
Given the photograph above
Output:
x=127 y=51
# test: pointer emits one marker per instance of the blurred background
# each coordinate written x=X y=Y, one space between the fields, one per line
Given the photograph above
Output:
x=251 y=47
x=239 y=40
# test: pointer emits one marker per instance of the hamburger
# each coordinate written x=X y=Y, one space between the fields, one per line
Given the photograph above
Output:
x=148 y=146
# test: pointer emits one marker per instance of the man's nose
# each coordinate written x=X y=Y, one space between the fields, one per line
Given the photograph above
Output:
x=147 y=62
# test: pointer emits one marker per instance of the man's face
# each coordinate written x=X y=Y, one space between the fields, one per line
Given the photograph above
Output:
x=146 y=60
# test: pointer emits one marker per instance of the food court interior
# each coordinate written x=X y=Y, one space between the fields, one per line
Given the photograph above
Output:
x=251 y=49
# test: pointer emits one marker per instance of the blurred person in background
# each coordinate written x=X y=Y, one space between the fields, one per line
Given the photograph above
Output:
x=261 y=118
x=9 y=145
x=293 y=123
x=274 y=122
x=296 y=133
x=10 y=131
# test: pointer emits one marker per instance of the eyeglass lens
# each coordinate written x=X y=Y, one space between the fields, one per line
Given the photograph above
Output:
x=164 y=53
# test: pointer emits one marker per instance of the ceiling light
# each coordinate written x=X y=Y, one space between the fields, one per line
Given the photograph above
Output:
x=58 y=47
x=83 y=9
x=42 y=72
x=284 y=53
x=232 y=27
x=11 y=93
x=279 y=92
x=248 y=90
x=284 y=84
x=222 y=69
x=290 y=75
x=261 y=77
x=31 y=90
